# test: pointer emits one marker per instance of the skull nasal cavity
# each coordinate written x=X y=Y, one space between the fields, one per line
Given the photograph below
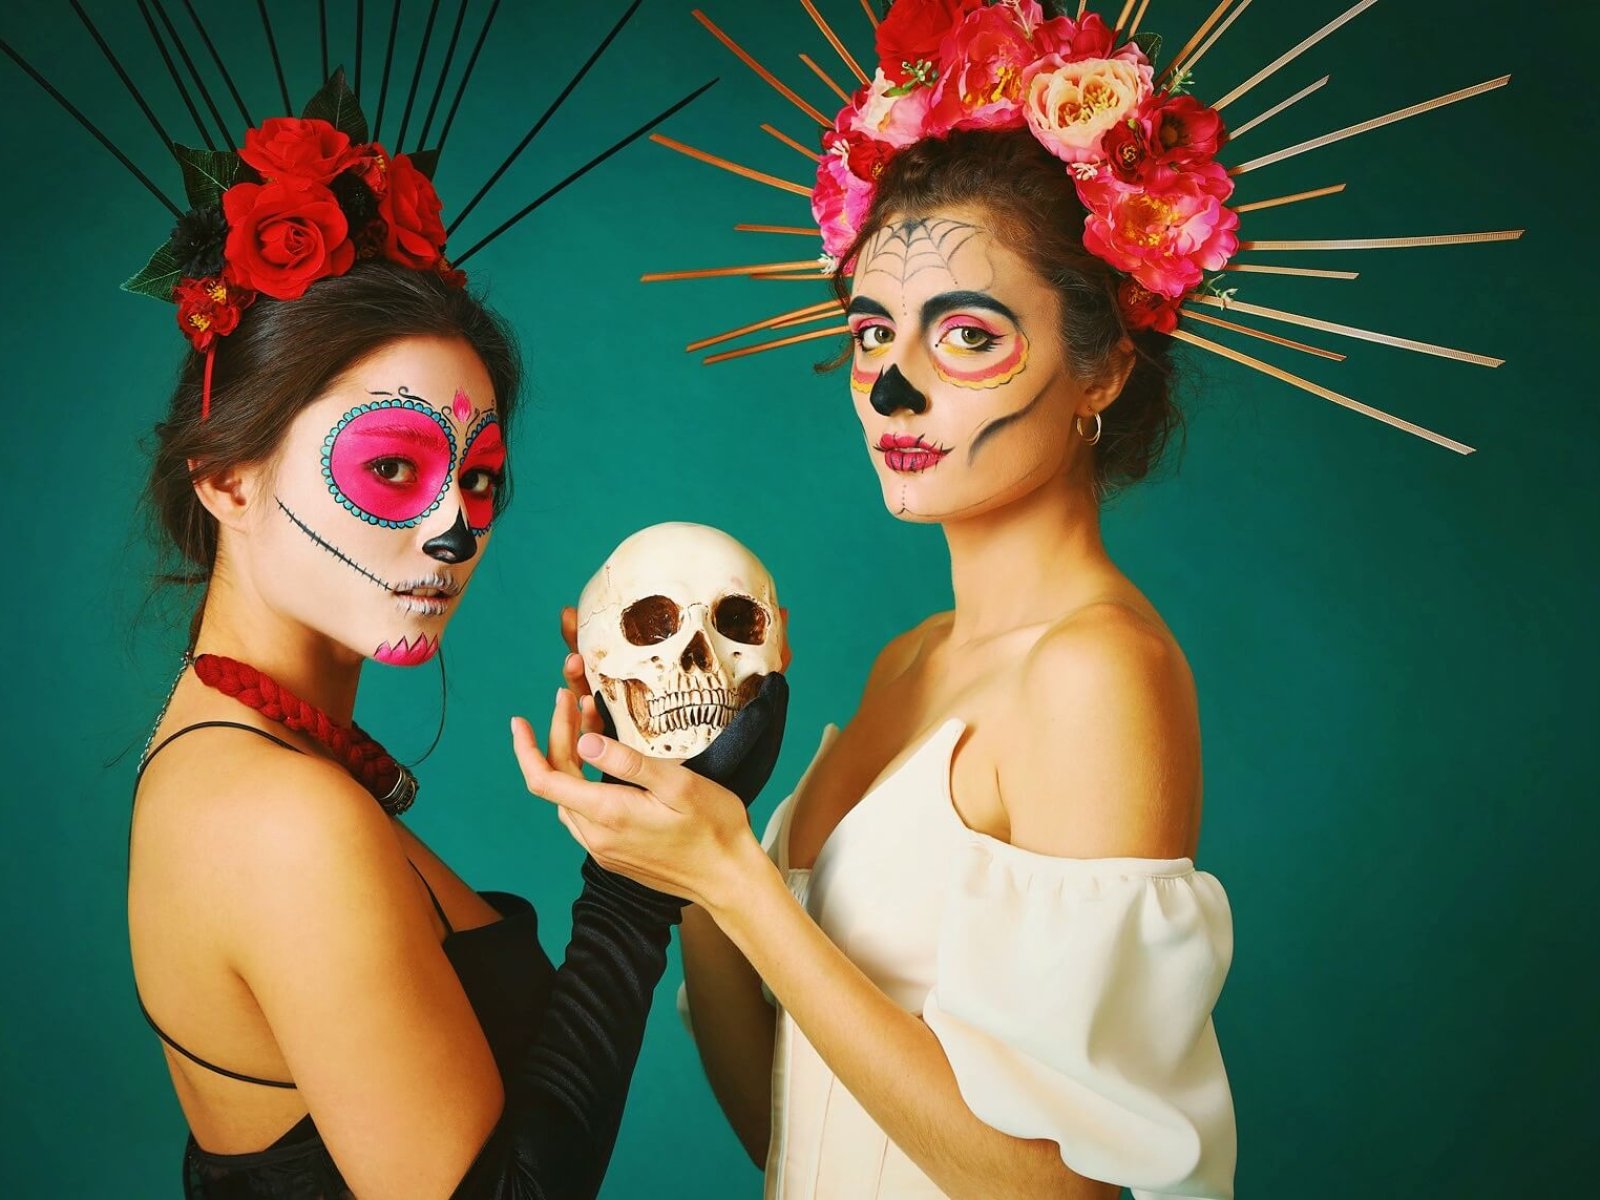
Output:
x=697 y=653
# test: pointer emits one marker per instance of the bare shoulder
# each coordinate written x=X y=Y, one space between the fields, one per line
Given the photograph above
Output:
x=226 y=843
x=1102 y=755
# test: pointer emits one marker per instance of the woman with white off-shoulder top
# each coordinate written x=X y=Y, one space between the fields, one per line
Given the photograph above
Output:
x=975 y=958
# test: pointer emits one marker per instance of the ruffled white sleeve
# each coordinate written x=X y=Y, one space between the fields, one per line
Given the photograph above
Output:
x=1073 y=999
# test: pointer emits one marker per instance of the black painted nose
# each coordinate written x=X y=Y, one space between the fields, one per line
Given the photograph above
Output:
x=454 y=545
x=894 y=391
x=697 y=653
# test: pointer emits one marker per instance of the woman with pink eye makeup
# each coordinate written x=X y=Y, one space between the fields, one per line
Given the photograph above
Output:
x=972 y=956
x=342 y=1015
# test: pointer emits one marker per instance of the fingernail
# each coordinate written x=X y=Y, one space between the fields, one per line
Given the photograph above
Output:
x=590 y=745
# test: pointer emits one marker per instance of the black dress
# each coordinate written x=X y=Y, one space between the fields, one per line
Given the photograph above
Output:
x=565 y=1042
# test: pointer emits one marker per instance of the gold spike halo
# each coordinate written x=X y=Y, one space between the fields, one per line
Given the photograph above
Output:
x=1128 y=18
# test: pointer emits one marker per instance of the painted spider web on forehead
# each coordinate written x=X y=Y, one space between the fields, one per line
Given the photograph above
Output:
x=908 y=248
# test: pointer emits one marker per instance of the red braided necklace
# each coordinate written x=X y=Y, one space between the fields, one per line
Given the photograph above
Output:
x=391 y=784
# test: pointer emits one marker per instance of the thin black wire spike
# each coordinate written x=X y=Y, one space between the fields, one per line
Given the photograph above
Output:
x=581 y=172
x=277 y=62
x=461 y=88
x=116 y=66
x=388 y=61
x=322 y=24
x=194 y=74
x=548 y=113
x=249 y=121
x=444 y=73
x=416 y=78
x=89 y=125
x=177 y=79
x=361 y=32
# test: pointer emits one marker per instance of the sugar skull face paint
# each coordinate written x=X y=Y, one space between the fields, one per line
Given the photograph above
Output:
x=382 y=499
x=959 y=380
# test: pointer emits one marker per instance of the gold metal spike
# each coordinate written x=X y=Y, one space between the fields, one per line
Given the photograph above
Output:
x=825 y=77
x=797 y=230
x=1393 y=243
x=791 y=143
x=1122 y=19
x=1215 y=35
x=1289 y=56
x=777 y=85
x=789 y=278
x=811 y=312
x=833 y=40
x=1139 y=16
x=1401 y=114
x=1207 y=318
x=1365 y=335
x=1205 y=28
x=1316 y=389
x=1310 y=272
x=835 y=331
x=871 y=16
x=799 y=189
x=1295 y=198
x=1233 y=134
x=719 y=272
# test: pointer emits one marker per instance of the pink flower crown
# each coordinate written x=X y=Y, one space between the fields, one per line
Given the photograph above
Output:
x=1141 y=154
x=305 y=198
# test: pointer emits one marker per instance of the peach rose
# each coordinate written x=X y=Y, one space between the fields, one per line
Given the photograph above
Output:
x=1070 y=106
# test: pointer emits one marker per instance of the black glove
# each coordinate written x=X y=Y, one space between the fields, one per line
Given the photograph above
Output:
x=741 y=759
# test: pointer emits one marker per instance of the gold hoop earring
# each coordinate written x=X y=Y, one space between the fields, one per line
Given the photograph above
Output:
x=1099 y=425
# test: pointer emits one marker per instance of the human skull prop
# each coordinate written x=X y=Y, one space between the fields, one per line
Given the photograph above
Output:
x=676 y=631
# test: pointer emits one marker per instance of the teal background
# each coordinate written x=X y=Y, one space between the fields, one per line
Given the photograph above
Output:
x=1394 y=645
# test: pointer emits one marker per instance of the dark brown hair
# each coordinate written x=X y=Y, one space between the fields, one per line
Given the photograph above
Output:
x=283 y=355
x=1031 y=200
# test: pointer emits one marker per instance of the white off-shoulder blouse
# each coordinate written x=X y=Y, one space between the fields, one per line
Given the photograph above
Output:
x=1072 y=997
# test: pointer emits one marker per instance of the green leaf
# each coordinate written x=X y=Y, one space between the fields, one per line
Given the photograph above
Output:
x=1149 y=42
x=1056 y=8
x=426 y=161
x=209 y=173
x=159 y=277
x=336 y=104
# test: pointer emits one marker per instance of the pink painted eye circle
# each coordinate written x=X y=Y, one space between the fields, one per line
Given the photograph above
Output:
x=481 y=472
x=388 y=462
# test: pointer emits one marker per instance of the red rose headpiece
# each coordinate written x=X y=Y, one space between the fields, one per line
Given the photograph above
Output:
x=305 y=198
x=1141 y=153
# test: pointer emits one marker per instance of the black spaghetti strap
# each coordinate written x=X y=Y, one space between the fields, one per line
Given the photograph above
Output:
x=172 y=737
x=437 y=907
x=198 y=1061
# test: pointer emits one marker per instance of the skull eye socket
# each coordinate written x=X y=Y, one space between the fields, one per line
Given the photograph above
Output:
x=741 y=619
x=651 y=620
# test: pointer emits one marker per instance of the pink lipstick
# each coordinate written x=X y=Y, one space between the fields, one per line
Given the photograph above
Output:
x=907 y=452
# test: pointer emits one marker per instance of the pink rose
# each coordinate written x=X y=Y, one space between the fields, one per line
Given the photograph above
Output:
x=1071 y=106
x=897 y=120
x=1166 y=238
x=841 y=199
x=981 y=67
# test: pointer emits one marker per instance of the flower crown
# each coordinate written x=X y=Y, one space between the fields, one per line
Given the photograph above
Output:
x=1141 y=153
x=305 y=198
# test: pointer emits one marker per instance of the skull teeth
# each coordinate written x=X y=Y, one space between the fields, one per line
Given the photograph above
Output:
x=676 y=711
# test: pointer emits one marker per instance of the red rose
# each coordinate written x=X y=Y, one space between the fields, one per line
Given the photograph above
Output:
x=410 y=209
x=284 y=236
x=868 y=157
x=1182 y=130
x=1127 y=149
x=296 y=148
x=209 y=309
x=912 y=31
x=1144 y=309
